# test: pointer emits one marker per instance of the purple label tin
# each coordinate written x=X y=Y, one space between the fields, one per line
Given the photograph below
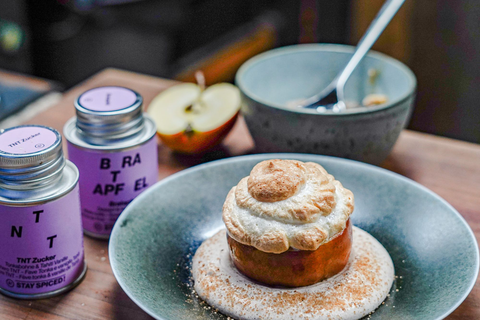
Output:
x=114 y=145
x=41 y=240
x=109 y=181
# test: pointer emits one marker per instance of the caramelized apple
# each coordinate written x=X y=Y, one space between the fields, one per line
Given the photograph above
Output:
x=293 y=268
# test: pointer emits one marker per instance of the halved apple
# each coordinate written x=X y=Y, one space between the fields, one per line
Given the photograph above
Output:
x=191 y=120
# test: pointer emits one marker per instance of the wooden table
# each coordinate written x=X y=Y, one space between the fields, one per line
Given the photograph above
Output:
x=448 y=167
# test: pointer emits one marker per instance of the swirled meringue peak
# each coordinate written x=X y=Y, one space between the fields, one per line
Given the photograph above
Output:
x=287 y=204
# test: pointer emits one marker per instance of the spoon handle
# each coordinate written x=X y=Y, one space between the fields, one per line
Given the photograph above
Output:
x=382 y=19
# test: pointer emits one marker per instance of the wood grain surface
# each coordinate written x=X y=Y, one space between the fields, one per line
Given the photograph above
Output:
x=450 y=168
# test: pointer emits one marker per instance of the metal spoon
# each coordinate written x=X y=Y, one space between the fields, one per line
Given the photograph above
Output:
x=332 y=97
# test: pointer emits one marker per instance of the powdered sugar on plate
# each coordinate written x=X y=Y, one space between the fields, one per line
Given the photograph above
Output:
x=353 y=293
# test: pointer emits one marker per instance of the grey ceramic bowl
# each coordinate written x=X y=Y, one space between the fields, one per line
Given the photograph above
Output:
x=272 y=79
x=432 y=247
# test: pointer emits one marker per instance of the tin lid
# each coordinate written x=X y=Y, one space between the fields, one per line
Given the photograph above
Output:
x=108 y=114
x=30 y=156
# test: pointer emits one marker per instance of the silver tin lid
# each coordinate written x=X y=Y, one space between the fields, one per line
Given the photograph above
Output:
x=31 y=157
x=106 y=115
x=73 y=136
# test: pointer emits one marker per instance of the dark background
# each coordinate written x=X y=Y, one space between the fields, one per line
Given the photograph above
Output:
x=70 y=40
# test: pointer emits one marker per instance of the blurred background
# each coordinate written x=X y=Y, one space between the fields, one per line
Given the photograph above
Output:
x=59 y=43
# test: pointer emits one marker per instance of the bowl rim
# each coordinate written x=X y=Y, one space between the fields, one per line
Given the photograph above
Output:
x=330 y=48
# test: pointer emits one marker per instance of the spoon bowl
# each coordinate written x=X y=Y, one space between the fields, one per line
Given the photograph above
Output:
x=269 y=81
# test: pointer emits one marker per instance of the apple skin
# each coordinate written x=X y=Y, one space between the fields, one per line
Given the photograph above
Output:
x=194 y=142
x=293 y=268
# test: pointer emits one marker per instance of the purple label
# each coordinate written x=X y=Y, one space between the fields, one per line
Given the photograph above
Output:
x=107 y=99
x=41 y=247
x=110 y=180
x=27 y=139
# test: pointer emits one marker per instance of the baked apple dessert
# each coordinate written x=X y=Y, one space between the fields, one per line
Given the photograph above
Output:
x=288 y=223
x=290 y=251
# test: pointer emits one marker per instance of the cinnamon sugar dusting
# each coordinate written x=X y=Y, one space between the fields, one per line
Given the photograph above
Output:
x=353 y=293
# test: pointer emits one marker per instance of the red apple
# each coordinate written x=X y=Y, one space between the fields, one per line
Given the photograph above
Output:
x=191 y=120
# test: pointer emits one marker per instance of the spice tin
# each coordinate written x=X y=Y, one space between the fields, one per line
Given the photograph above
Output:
x=41 y=240
x=114 y=145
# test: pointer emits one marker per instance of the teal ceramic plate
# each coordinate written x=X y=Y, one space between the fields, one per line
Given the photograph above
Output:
x=434 y=250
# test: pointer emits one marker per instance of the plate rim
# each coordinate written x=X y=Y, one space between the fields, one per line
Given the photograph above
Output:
x=265 y=156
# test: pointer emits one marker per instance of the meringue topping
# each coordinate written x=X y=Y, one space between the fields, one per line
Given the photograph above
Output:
x=287 y=204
